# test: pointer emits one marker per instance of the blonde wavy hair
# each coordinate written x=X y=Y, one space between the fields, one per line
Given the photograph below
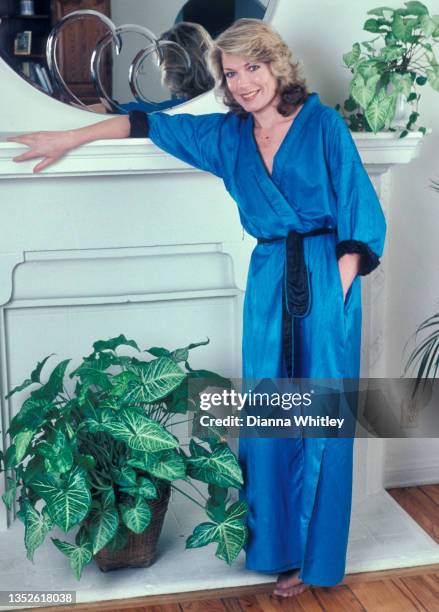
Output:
x=258 y=42
x=197 y=41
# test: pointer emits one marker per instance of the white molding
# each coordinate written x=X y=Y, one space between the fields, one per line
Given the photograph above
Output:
x=423 y=473
x=8 y=261
x=140 y=156
x=108 y=253
x=100 y=158
x=386 y=148
x=125 y=299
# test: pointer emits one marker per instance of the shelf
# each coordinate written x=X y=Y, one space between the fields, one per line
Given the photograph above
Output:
x=25 y=17
x=31 y=56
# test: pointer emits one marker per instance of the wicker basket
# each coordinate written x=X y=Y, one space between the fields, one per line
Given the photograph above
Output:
x=140 y=550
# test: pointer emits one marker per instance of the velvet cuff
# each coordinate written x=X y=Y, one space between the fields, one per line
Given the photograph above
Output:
x=368 y=260
x=139 y=126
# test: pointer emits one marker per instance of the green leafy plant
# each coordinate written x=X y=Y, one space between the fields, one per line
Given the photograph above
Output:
x=390 y=66
x=90 y=460
x=426 y=355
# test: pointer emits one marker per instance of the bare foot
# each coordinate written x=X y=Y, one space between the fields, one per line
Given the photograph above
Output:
x=289 y=584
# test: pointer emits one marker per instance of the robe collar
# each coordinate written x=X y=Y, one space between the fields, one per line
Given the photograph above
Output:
x=292 y=133
x=270 y=186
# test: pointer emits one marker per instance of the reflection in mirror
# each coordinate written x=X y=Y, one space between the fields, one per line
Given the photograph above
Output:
x=165 y=76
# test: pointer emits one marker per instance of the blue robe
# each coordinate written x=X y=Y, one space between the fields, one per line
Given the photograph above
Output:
x=299 y=489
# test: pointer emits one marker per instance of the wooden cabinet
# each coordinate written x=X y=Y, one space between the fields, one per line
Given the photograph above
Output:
x=76 y=46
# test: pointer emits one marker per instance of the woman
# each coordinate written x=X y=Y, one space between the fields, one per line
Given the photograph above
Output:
x=293 y=169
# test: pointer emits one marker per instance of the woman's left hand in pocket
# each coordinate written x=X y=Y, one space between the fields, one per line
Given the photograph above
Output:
x=348 y=266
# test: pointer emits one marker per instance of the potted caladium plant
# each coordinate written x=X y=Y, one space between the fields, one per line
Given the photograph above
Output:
x=388 y=69
x=99 y=461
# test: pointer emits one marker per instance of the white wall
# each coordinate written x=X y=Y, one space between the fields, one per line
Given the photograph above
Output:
x=319 y=32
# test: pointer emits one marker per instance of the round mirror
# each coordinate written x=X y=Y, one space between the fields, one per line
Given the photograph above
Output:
x=123 y=54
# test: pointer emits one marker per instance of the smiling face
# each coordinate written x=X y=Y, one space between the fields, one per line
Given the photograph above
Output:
x=251 y=83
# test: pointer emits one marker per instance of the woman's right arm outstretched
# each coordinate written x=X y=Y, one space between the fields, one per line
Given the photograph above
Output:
x=51 y=146
x=198 y=140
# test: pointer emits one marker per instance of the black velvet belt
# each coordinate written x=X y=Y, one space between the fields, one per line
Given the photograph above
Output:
x=296 y=298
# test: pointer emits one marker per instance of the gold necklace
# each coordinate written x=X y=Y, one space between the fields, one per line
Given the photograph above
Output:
x=261 y=137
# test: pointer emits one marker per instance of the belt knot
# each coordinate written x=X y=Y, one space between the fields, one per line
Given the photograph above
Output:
x=296 y=289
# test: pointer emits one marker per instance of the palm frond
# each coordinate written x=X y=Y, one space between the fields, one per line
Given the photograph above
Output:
x=425 y=356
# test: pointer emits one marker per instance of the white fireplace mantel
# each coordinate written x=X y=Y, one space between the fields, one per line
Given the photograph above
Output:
x=140 y=156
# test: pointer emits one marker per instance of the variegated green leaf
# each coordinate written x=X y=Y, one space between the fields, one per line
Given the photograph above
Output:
x=203 y=534
x=10 y=457
x=34 y=468
x=37 y=526
x=31 y=415
x=232 y=540
x=402 y=28
x=57 y=453
x=22 y=441
x=125 y=477
x=388 y=54
x=68 y=502
x=54 y=385
x=120 y=540
x=79 y=555
x=352 y=56
x=414 y=7
x=140 y=432
x=182 y=354
x=379 y=111
x=372 y=25
x=96 y=361
x=379 y=11
x=144 y=488
x=167 y=465
x=124 y=382
x=363 y=90
x=367 y=68
x=9 y=495
x=237 y=511
x=197 y=450
x=216 y=504
x=231 y=533
x=137 y=517
x=103 y=527
x=220 y=467
x=427 y=24
x=158 y=378
x=402 y=83
x=113 y=343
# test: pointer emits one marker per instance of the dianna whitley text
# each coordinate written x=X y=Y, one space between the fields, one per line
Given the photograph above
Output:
x=258 y=421
x=274 y=404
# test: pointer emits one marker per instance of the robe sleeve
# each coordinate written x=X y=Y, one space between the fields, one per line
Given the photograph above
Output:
x=361 y=225
x=195 y=139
